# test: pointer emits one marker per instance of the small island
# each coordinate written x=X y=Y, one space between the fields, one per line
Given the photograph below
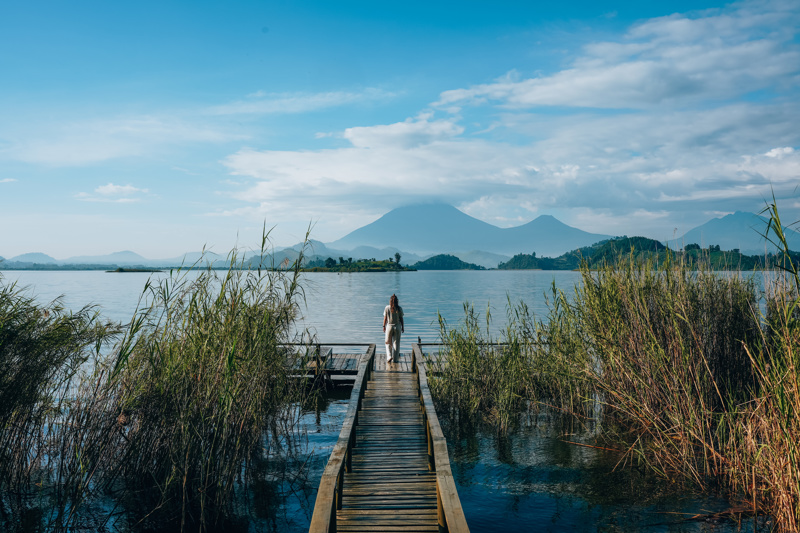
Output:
x=446 y=262
x=125 y=270
x=330 y=264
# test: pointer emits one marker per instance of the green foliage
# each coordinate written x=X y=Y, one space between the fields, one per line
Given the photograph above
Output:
x=445 y=262
x=642 y=249
x=200 y=379
x=196 y=393
x=44 y=354
x=348 y=265
x=478 y=377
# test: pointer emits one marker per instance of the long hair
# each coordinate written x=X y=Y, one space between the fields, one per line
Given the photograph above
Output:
x=393 y=303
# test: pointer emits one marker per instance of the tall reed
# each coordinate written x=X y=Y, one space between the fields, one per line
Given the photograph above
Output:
x=669 y=353
x=195 y=397
x=45 y=352
x=763 y=447
x=685 y=370
x=479 y=377
x=201 y=381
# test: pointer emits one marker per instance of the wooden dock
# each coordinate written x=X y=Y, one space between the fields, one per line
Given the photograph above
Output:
x=389 y=470
x=340 y=368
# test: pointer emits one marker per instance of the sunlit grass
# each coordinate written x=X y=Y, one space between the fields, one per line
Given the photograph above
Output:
x=192 y=397
x=677 y=366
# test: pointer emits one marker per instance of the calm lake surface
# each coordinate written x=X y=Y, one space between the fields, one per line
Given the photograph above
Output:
x=339 y=307
x=531 y=480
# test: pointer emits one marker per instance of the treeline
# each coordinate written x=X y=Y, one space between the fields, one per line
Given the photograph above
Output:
x=610 y=251
x=446 y=262
x=437 y=262
x=359 y=265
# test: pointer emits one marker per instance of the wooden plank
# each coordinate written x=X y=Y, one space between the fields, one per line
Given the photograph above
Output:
x=450 y=504
x=384 y=446
x=326 y=502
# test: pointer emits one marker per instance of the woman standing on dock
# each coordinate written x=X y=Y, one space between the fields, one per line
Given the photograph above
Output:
x=393 y=318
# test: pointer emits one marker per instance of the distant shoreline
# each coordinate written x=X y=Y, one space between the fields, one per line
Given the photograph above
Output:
x=125 y=270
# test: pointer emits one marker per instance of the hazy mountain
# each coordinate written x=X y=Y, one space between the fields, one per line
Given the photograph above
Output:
x=117 y=258
x=548 y=236
x=441 y=228
x=739 y=230
x=484 y=259
x=192 y=259
x=35 y=257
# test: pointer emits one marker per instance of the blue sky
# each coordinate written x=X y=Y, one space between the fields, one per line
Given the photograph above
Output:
x=161 y=127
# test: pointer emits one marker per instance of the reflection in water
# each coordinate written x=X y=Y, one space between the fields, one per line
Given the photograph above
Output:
x=532 y=480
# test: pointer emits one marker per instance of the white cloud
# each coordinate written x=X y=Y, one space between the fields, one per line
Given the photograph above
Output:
x=261 y=102
x=118 y=190
x=634 y=166
x=780 y=152
x=675 y=60
x=113 y=193
x=7 y=180
x=408 y=134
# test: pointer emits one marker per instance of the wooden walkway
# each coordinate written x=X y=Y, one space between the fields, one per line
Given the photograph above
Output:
x=342 y=368
x=389 y=471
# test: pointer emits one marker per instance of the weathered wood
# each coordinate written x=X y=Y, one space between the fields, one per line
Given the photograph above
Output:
x=451 y=512
x=328 y=496
x=389 y=470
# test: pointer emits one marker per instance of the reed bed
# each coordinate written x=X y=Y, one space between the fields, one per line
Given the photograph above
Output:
x=494 y=379
x=669 y=358
x=200 y=381
x=679 y=367
x=168 y=428
x=45 y=352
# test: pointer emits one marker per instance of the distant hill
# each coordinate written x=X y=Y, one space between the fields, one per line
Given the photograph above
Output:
x=740 y=230
x=34 y=257
x=441 y=228
x=446 y=262
x=484 y=259
x=116 y=258
x=643 y=249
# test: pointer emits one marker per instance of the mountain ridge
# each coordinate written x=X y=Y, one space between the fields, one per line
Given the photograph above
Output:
x=441 y=228
x=545 y=235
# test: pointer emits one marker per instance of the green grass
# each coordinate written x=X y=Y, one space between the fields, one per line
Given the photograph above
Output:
x=676 y=364
x=172 y=419
x=45 y=354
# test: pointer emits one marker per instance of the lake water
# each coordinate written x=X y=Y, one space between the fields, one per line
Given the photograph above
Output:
x=338 y=307
x=531 y=480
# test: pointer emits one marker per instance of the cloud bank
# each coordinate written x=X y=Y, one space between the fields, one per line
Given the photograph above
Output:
x=681 y=118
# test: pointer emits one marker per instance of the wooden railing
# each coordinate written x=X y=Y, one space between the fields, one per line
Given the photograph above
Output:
x=451 y=514
x=329 y=495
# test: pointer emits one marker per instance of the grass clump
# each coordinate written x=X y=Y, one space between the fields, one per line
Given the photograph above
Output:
x=677 y=366
x=669 y=357
x=493 y=380
x=45 y=353
x=170 y=425
x=202 y=386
